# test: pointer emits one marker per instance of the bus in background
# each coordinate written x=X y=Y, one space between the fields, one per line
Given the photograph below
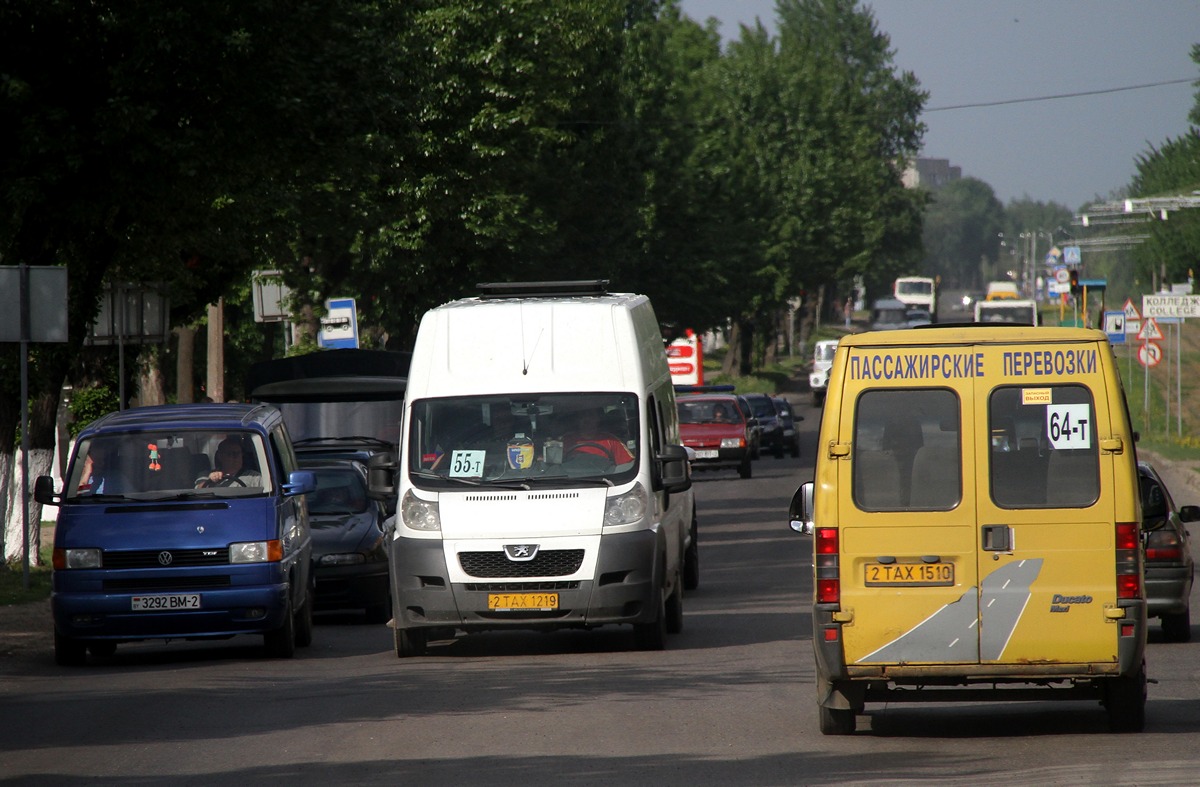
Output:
x=1021 y=312
x=917 y=292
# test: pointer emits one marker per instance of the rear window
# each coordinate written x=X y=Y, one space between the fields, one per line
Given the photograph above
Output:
x=1043 y=447
x=907 y=452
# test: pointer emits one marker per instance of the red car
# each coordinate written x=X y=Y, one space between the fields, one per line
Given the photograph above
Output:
x=718 y=430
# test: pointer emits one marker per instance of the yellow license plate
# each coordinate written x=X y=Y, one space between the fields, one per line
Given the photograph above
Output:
x=929 y=574
x=505 y=601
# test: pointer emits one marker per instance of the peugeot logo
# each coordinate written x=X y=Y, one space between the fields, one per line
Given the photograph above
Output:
x=165 y=558
x=521 y=552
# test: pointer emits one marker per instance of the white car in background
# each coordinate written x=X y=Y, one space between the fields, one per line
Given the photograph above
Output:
x=818 y=377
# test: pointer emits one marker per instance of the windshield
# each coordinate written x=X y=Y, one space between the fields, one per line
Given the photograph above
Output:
x=375 y=419
x=914 y=287
x=522 y=437
x=156 y=465
x=824 y=352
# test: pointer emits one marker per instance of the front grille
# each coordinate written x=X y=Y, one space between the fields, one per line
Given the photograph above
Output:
x=166 y=583
x=547 y=563
x=154 y=558
x=518 y=587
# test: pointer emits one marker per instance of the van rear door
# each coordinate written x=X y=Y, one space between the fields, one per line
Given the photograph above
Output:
x=975 y=506
x=1047 y=556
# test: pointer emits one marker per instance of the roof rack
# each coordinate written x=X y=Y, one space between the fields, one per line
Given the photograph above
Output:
x=542 y=289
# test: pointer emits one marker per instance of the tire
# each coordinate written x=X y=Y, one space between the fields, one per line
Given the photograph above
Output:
x=653 y=635
x=818 y=399
x=1125 y=702
x=744 y=469
x=674 y=611
x=1178 y=627
x=796 y=448
x=778 y=452
x=102 y=649
x=409 y=642
x=281 y=643
x=69 y=652
x=691 y=561
x=833 y=721
x=304 y=622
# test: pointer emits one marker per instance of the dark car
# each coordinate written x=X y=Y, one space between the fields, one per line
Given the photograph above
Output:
x=349 y=554
x=1169 y=565
x=888 y=314
x=770 y=427
x=717 y=430
x=787 y=420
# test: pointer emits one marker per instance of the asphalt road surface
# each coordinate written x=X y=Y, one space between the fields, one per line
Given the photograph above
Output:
x=729 y=702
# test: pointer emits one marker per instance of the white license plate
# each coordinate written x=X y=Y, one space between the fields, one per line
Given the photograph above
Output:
x=707 y=453
x=162 y=602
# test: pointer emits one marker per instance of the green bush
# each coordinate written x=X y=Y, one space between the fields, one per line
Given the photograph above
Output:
x=88 y=404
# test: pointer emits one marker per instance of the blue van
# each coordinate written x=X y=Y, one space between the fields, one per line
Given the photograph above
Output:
x=181 y=522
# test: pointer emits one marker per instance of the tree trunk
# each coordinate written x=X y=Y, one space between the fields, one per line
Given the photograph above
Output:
x=215 y=387
x=185 y=388
x=150 y=376
x=729 y=365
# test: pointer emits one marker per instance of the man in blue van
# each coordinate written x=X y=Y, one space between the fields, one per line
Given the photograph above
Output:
x=230 y=464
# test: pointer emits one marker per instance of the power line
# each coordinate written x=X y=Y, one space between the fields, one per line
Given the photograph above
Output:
x=1060 y=96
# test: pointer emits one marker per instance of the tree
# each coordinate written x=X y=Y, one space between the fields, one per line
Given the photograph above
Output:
x=962 y=233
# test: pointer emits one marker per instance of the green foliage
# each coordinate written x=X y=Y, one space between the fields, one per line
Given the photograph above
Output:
x=88 y=404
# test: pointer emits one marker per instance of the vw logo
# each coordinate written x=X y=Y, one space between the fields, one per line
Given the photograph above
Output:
x=521 y=552
x=165 y=558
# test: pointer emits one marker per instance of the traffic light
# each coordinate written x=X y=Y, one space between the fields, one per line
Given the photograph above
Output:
x=1074 y=282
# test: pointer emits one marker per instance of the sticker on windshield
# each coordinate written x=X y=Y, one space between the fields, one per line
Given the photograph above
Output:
x=466 y=464
x=1069 y=425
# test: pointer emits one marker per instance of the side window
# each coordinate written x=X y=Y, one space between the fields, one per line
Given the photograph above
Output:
x=1043 y=450
x=286 y=458
x=907 y=450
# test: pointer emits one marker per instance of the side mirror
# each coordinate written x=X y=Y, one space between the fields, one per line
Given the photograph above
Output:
x=1186 y=513
x=381 y=476
x=801 y=510
x=43 y=491
x=300 y=482
x=676 y=471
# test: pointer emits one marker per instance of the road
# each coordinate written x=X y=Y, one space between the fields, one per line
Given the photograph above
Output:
x=729 y=702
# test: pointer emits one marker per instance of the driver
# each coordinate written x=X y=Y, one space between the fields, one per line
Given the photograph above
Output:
x=590 y=438
x=229 y=472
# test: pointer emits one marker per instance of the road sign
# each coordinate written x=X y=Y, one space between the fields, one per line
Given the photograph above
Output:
x=1062 y=275
x=1162 y=305
x=1150 y=331
x=1131 y=311
x=339 y=329
x=1114 y=326
x=1072 y=255
x=1149 y=354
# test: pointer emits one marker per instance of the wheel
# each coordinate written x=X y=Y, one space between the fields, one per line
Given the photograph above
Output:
x=653 y=635
x=281 y=643
x=409 y=642
x=744 y=469
x=304 y=622
x=1125 y=701
x=102 y=649
x=1178 y=627
x=674 y=611
x=796 y=448
x=833 y=721
x=778 y=451
x=69 y=652
x=818 y=399
x=691 y=561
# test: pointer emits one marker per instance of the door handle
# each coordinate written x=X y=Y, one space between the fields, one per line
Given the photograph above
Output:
x=997 y=538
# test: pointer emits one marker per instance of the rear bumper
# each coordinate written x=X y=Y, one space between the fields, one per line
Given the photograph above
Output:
x=1167 y=590
x=351 y=587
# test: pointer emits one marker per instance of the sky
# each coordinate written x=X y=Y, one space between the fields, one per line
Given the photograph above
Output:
x=1072 y=149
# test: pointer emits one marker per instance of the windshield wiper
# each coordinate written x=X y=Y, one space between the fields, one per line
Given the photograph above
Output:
x=435 y=477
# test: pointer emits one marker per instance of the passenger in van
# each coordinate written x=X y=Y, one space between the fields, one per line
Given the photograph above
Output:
x=589 y=438
x=100 y=473
x=230 y=467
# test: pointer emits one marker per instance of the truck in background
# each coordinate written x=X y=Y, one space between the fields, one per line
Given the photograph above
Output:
x=917 y=292
x=1020 y=312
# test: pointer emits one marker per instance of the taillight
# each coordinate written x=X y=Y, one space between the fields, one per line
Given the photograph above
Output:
x=1164 y=545
x=825 y=556
x=1129 y=561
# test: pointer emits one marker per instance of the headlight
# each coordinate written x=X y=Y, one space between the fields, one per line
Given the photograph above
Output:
x=628 y=508
x=346 y=559
x=420 y=514
x=76 y=558
x=256 y=552
x=733 y=442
